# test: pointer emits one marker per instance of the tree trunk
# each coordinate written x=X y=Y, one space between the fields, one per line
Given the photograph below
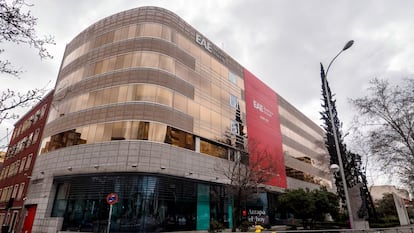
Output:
x=236 y=214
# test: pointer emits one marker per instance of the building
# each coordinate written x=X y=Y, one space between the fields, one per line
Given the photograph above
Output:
x=401 y=199
x=2 y=157
x=18 y=166
x=305 y=156
x=147 y=114
x=378 y=191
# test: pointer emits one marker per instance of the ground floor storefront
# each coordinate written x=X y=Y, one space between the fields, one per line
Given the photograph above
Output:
x=146 y=203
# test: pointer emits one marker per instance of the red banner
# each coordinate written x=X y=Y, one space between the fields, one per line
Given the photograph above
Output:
x=263 y=129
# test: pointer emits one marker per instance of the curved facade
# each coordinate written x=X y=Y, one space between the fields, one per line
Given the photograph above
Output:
x=147 y=107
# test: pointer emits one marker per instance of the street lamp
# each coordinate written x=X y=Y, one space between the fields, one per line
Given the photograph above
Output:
x=335 y=135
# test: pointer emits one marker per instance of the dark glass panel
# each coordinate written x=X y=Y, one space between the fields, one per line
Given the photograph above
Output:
x=146 y=203
x=213 y=149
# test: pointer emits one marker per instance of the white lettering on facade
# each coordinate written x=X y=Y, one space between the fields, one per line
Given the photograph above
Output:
x=262 y=108
x=257 y=212
x=257 y=219
x=258 y=216
x=203 y=42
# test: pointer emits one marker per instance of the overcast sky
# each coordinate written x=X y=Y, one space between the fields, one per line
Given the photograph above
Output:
x=282 y=42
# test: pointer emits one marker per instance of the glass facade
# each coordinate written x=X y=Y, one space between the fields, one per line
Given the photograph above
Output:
x=124 y=130
x=146 y=108
x=217 y=106
x=123 y=33
x=146 y=203
x=144 y=70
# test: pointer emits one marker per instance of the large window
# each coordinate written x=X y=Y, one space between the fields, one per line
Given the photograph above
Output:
x=117 y=94
x=131 y=130
x=122 y=130
x=213 y=149
x=124 y=61
x=123 y=33
x=146 y=203
x=180 y=138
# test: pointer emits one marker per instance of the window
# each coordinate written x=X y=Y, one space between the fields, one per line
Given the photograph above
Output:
x=179 y=138
x=234 y=127
x=28 y=162
x=22 y=164
x=20 y=193
x=157 y=132
x=36 y=117
x=16 y=169
x=3 y=195
x=29 y=140
x=232 y=77
x=36 y=135
x=14 y=194
x=42 y=113
x=32 y=119
x=2 y=219
x=19 y=130
x=233 y=101
x=213 y=149
x=8 y=193
x=24 y=142
x=6 y=173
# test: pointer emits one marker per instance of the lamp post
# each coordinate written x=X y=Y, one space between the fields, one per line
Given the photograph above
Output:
x=335 y=135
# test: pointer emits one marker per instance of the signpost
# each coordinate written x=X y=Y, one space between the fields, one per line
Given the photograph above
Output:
x=111 y=199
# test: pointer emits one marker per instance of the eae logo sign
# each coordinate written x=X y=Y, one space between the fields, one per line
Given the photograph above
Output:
x=263 y=109
x=207 y=45
x=203 y=42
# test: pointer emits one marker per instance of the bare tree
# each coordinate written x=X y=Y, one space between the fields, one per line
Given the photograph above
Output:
x=10 y=99
x=387 y=119
x=247 y=175
x=17 y=25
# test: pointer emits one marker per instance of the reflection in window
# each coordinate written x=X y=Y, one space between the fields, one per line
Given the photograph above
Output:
x=300 y=175
x=146 y=203
x=123 y=61
x=135 y=92
x=234 y=127
x=143 y=129
x=123 y=33
x=180 y=138
x=123 y=130
x=233 y=101
x=157 y=132
x=130 y=130
x=232 y=77
x=213 y=149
